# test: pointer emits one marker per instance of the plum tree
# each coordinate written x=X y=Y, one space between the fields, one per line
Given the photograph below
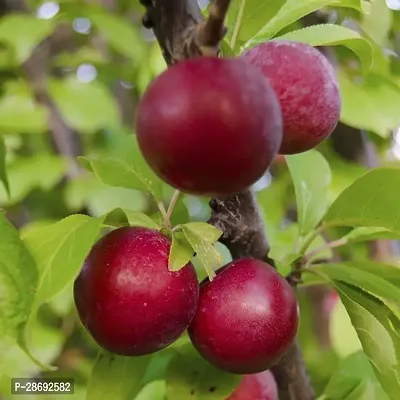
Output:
x=307 y=89
x=260 y=386
x=126 y=296
x=209 y=126
x=246 y=319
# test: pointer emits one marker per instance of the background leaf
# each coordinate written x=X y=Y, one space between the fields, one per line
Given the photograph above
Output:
x=120 y=34
x=86 y=107
x=24 y=41
x=28 y=173
x=369 y=103
x=19 y=112
x=311 y=177
x=116 y=377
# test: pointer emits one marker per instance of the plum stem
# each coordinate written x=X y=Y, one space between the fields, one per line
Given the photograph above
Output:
x=172 y=204
x=330 y=245
x=212 y=31
x=162 y=209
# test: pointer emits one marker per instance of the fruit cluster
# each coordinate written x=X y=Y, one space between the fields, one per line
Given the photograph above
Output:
x=243 y=321
x=211 y=127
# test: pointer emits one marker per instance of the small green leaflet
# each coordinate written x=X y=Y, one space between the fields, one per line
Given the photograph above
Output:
x=59 y=251
x=183 y=249
x=291 y=11
x=181 y=252
x=334 y=35
x=189 y=376
x=311 y=178
x=116 y=377
x=205 y=251
x=18 y=277
x=207 y=231
x=3 y=172
x=371 y=201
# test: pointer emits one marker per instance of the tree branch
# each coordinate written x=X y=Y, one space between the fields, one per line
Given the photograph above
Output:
x=180 y=30
x=212 y=31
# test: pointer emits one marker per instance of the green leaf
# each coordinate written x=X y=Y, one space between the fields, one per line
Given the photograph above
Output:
x=389 y=272
x=120 y=34
x=363 y=234
x=128 y=161
x=23 y=41
x=116 y=377
x=19 y=112
x=86 y=107
x=369 y=103
x=291 y=11
x=189 y=376
x=140 y=219
x=311 y=178
x=59 y=250
x=18 y=277
x=181 y=252
x=205 y=251
x=208 y=232
x=371 y=283
x=377 y=329
x=247 y=17
x=155 y=390
x=114 y=172
x=334 y=35
x=370 y=201
x=116 y=218
x=3 y=172
x=353 y=371
x=26 y=174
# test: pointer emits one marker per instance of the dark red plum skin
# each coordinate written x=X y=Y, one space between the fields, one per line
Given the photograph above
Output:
x=260 y=386
x=247 y=317
x=209 y=126
x=128 y=299
x=307 y=89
